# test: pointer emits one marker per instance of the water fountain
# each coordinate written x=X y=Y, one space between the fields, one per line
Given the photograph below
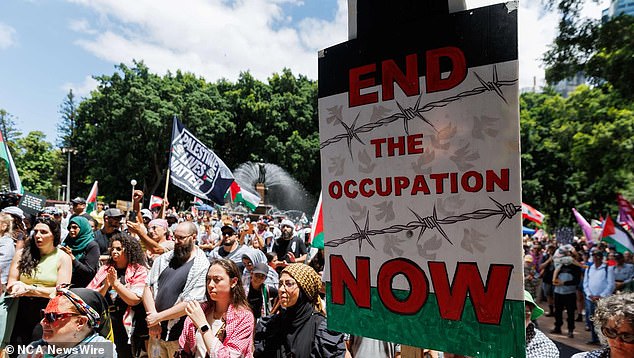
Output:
x=279 y=191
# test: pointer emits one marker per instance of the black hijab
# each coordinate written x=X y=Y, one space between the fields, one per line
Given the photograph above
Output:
x=298 y=329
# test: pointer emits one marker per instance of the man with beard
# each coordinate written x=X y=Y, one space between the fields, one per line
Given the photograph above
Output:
x=230 y=248
x=111 y=223
x=176 y=277
x=289 y=248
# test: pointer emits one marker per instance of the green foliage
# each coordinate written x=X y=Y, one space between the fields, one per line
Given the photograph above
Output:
x=66 y=127
x=577 y=152
x=123 y=129
x=37 y=163
x=603 y=51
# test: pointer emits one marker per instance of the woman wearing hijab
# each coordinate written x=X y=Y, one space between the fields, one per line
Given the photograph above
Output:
x=299 y=329
x=82 y=248
x=71 y=323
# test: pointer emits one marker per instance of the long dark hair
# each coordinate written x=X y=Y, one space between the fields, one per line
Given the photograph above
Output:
x=131 y=248
x=238 y=296
x=31 y=254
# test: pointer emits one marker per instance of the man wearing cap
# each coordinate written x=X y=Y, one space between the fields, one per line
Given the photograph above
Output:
x=598 y=282
x=289 y=248
x=537 y=344
x=147 y=216
x=229 y=247
x=111 y=223
x=259 y=295
x=79 y=206
x=176 y=277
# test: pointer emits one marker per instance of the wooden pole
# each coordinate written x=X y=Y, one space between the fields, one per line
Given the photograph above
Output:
x=167 y=184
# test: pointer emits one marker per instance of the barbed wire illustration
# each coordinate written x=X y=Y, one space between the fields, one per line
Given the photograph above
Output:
x=410 y=113
x=506 y=211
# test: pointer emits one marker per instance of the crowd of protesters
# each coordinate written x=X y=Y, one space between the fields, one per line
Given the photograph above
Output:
x=575 y=277
x=189 y=284
x=220 y=285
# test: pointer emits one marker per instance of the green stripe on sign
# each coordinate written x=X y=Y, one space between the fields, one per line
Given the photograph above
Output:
x=426 y=329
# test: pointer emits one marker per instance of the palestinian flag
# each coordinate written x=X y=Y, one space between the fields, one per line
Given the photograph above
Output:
x=615 y=234
x=239 y=195
x=317 y=229
x=155 y=202
x=15 y=185
x=91 y=201
x=197 y=201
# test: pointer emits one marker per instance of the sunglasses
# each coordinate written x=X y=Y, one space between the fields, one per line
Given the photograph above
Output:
x=612 y=334
x=51 y=317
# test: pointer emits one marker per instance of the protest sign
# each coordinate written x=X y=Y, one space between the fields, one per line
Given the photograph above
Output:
x=420 y=163
x=124 y=205
x=31 y=203
x=564 y=235
x=195 y=168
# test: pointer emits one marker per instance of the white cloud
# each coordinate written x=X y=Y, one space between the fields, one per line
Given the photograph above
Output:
x=81 y=89
x=81 y=26
x=214 y=39
x=7 y=36
x=220 y=38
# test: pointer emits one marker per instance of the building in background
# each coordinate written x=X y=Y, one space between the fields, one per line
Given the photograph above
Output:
x=618 y=7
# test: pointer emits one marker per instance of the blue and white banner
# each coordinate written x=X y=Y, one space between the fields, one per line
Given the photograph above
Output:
x=195 y=168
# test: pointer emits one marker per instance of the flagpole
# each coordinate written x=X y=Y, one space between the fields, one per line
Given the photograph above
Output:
x=167 y=183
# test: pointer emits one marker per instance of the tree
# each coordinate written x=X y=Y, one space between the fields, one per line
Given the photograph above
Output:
x=124 y=127
x=66 y=127
x=603 y=51
x=576 y=152
x=38 y=163
x=9 y=131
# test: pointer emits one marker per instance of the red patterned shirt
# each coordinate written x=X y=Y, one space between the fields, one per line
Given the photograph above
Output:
x=239 y=337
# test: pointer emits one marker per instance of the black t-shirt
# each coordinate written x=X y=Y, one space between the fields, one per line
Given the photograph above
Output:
x=171 y=283
x=256 y=300
x=103 y=240
x=283 y=247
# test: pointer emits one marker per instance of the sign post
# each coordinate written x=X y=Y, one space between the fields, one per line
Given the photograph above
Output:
x=420 y=162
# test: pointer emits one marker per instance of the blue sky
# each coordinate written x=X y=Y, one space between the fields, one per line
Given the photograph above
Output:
x=50 y=46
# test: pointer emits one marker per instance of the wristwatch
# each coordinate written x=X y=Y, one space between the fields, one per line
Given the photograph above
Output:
x=204 y=328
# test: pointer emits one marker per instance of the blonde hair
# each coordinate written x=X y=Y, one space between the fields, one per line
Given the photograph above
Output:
x=6 y=219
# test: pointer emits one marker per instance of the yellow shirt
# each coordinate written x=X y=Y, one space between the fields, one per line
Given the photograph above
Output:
x=45 y=272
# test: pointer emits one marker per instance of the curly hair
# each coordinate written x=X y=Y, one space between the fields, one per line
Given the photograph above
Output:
x=131 y=248
x=31 y=255
x=618 y=306
x=238 y=296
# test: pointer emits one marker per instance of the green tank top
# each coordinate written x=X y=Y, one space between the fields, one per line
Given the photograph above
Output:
x=45 y=272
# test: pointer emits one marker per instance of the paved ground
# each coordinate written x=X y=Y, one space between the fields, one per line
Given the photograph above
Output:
x=567 y=346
